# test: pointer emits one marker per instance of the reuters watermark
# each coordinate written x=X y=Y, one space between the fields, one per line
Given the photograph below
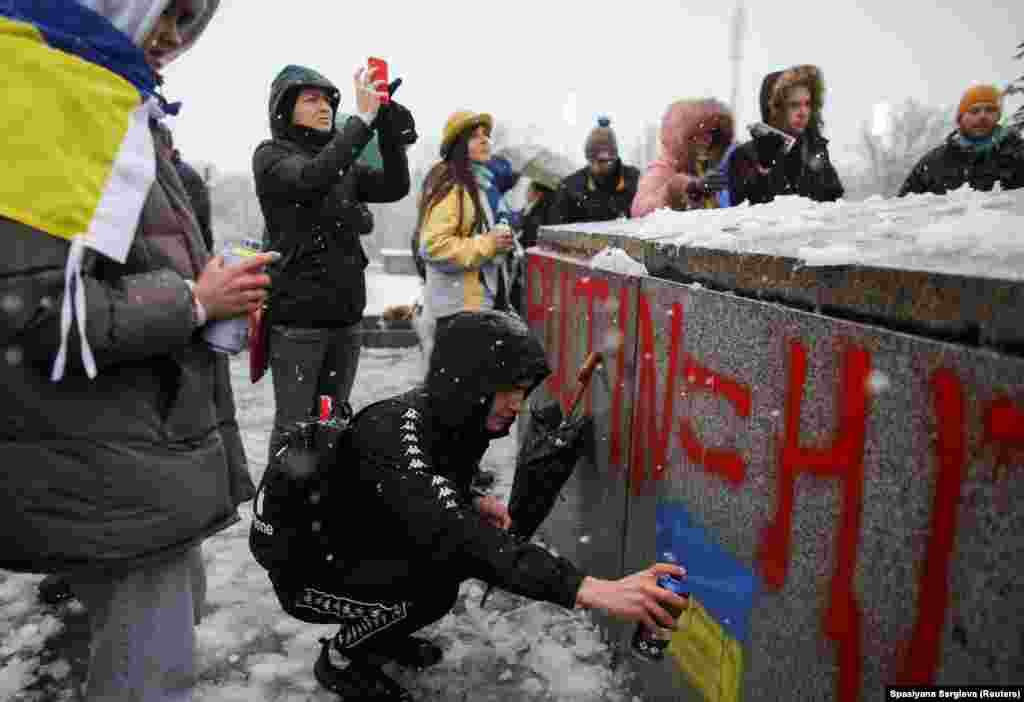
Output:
x=954 y=692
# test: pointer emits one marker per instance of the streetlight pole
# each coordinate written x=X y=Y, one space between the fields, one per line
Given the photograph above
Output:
x=738 y=34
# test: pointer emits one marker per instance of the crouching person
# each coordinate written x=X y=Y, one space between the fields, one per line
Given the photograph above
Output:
x=385 y=554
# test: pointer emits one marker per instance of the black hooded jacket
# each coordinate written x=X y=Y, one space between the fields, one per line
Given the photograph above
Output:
x=405 y=472
x=312 y=193
x=807 y=169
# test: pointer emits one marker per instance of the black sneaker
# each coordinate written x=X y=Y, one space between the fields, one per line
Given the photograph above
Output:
x=54 y=589
x=358 y=680
x=409 y=652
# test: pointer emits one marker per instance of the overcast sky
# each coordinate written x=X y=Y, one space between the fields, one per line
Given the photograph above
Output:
x=560 y=63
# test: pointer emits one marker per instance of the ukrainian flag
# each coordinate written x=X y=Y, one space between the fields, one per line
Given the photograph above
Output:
x=78 y=154
x=707 y=647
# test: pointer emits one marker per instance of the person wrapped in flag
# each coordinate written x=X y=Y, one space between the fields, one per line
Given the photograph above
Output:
x=117 y=433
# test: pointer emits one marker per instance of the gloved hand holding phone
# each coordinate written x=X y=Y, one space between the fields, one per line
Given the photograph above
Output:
x=393 y=116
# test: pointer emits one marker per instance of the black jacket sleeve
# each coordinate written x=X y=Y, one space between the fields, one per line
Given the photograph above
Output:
x=390 y=183
x=281 y=172
x=436 y=518
x=916 y=181
x=747 y=182
x=828 y=187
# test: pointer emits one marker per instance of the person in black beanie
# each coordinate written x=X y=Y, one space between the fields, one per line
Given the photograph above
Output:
x=604 y=189
x=313 y=192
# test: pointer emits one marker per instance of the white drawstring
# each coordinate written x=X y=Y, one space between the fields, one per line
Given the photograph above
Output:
x=74 y=294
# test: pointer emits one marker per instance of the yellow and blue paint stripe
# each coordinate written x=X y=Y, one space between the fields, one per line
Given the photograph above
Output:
x=708 y=645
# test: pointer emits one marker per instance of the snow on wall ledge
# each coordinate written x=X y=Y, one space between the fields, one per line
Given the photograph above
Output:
x=965 y=232
x=948 y=267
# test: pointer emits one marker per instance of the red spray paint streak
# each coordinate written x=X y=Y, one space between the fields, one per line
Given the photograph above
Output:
x=645 y=417
x=728 y=464
x=1004 y=427
x=922 y=654
x=618 y=393
x=591 y=288
x=559 y=380
x=844 y=459
x=540 y=269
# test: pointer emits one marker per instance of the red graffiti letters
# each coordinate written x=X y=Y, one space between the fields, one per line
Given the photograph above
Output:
x=844 y=459
x=728 y=464
x=922 y=655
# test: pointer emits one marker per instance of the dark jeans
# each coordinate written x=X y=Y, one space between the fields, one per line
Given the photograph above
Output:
x=375 y=602
x=307 y=363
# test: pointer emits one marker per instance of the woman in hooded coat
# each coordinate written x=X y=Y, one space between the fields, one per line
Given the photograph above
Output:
x=695 y=136
x=792 y=102
x=115 y=474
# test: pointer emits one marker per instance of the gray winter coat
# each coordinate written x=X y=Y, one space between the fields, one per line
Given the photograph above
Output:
x=143 y=461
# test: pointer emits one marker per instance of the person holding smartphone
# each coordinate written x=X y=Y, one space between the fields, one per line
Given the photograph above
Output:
x=313 y=192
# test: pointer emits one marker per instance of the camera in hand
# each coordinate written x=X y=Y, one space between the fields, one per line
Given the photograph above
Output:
x=770 y=143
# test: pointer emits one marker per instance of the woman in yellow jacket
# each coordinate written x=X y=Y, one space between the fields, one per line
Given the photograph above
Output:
x=464 y=246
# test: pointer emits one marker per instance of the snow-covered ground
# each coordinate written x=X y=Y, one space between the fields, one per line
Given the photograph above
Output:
x=964 y=232
x=251 y=651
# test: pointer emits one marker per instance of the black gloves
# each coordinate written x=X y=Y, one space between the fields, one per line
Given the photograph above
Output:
x=712 y=182
x=769 y=143
x=397 y=119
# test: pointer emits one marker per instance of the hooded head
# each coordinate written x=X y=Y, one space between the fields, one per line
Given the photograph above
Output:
x=476 y=355
x=776 y=87
x=283 y=93
x=690 y=125
x=138 y=18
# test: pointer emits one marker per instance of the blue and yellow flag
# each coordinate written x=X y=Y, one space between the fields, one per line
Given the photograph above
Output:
x=708 y=644
x=78 y=154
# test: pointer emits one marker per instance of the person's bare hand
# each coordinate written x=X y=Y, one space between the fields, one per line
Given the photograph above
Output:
x=635 y=597
x=369 y=91
x=231 y=291
x=504 y=238
x=678 y=195
x=493 y=511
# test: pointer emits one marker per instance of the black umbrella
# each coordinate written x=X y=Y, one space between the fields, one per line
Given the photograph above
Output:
x=552 y=445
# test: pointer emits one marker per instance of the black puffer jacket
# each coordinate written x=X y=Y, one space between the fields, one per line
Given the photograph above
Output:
x=404 y=476
x=581 y=199
x=949 y=166
x=807 y=169
x=312 y=193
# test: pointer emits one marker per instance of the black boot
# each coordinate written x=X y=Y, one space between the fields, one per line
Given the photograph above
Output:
x=359 y=680
x=54 y=589
x=409 y=652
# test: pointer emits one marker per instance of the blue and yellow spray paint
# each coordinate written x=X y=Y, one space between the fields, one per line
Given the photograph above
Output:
x=707 y=649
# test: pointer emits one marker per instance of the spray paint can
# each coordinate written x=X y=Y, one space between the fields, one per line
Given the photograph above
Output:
x=232 y=335
x=651 y=644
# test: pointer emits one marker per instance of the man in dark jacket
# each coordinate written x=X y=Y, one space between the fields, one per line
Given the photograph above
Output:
x=604 y=189
x=980 y=152
x=792 y=102
x=313 y=192
x=405 y=477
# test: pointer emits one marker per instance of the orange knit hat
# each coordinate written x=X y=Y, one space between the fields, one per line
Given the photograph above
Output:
x=977 y=94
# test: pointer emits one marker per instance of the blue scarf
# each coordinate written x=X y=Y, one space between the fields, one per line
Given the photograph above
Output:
x=981 y=147
x=499 y=209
